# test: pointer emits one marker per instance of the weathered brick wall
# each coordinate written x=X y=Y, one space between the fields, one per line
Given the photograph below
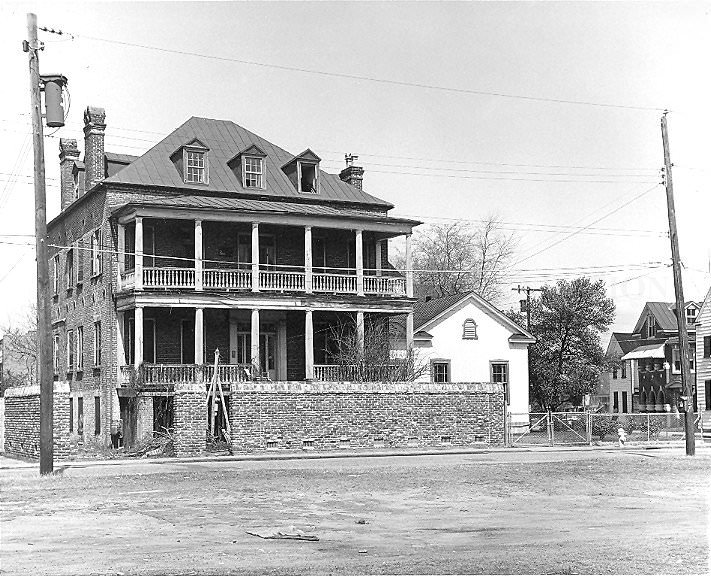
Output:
x=22 y=421
x=295 y=342
x=335 y=415
x=190 y=419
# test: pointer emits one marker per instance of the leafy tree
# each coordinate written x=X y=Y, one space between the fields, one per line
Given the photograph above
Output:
x=460 y=257
x=567 y=359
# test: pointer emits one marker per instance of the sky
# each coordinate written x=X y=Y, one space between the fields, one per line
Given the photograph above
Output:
x=544 y=114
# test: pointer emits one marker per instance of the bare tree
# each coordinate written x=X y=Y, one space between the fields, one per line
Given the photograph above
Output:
x=372 y=360
x=20 y=351
x=458 y=257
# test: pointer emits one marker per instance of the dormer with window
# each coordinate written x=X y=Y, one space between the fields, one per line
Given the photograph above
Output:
x=303 y=171
x=191 y=161
x=249 y=166
x=691 y=312
x=651 y=326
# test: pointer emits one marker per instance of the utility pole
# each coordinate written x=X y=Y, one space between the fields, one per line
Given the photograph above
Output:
x=44 y=338
x=686 y=384
x=528 y=291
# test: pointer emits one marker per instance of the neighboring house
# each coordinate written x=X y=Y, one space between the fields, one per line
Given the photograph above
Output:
x=703 y=361
x=464 y=338
x=213 y=239
x=655 y=359
x=621 y=379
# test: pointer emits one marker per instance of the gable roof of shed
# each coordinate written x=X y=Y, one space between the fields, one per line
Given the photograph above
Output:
x=225 y=139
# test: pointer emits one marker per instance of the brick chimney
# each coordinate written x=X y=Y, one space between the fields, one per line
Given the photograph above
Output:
x=94 y=128
x=351 y=173
x=68 y=154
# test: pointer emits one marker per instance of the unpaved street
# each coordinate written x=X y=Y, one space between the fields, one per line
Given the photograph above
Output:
x=512 y=512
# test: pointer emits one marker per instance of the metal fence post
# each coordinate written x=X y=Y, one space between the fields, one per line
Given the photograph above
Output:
x=588 y=427
x=647 y=426
x=549 y=424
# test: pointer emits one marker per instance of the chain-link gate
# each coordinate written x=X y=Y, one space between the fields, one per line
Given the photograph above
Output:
x=548 y=429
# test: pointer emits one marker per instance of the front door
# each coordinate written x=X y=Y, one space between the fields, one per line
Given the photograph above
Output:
x=266 y=355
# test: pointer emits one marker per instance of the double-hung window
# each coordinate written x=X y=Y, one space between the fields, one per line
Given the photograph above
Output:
x=55 y=274
x=55 y=353
x=440 y=371
x=195 y=169
x=253 y=172
x=707 y=346
x=500 y=375
x=69 y=269
x=97 y=343
x=80 y=349
x=70 y=350
x=96 y=252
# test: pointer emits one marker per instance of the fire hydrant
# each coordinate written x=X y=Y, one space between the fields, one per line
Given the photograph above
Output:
x=621 y=437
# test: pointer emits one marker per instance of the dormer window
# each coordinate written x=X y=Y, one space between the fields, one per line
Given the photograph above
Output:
x=651 y=327
x=303 y=172
x=253 y=172
x=308 y=178
x=195 y=166
x=691 y=315
x=191 y=162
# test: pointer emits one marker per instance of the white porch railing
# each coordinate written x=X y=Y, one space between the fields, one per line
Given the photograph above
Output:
x=335 y=283
x=165 y=374
x=225 y=279
x=168 y=277
x=385 y=285
x=277 y=280
x=345 y=373
x=289 y=281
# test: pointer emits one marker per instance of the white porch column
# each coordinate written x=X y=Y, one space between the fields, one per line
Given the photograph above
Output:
x=308 y=260
x=138 y=243
x=120 y=346
x=409 y=292
x=121 y=229
x=379 y=257
x=281 y=342
x=255 y=256
x=409 y=329
x=138 y=337
x=359 y=261
x=360 y=330
x=309 y=345
x=198 y=256
x=255 y=342
x=199 y=351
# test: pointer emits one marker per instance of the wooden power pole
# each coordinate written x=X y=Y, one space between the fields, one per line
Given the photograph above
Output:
x=45 y=370
x=687 y=391
x=528 y=291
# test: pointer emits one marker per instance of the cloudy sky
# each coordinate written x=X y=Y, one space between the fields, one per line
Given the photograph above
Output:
x=544 y=114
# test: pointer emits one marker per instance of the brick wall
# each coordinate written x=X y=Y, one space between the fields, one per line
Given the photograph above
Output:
x=190 y=419
x=22 y=421
x=337 y=415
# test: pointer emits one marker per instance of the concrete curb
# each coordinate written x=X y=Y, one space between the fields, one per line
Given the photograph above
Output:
x=342 y=454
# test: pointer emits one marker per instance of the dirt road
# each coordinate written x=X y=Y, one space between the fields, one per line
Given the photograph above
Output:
x=542 y=512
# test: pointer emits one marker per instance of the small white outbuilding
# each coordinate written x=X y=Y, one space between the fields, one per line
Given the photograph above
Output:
x=464 y=338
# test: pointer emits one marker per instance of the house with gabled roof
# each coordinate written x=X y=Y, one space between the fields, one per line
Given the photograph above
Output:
x=620 y=382
x=215 y=252
x=464 y=338
x=655 y=359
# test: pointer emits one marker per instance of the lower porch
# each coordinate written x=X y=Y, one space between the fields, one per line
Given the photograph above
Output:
x=238 y=345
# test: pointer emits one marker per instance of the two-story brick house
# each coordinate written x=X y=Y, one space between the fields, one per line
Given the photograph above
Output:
x=213 y=239
x=655 y=362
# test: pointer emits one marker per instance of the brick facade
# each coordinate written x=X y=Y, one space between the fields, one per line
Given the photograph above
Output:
x=22 y=421
x=337 y=415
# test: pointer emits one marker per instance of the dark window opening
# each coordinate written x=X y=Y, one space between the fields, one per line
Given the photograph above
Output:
x=162 y=414
x=97 y=415
x=80 y=416
x=624 y=402
x=616 y=402
x=308 y=178
x=71 y=415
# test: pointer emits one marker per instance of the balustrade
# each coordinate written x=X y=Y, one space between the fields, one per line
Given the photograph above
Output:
x=281 y=280
x=226 y=279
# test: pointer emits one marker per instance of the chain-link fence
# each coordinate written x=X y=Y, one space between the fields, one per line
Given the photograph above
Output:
x=570 y=428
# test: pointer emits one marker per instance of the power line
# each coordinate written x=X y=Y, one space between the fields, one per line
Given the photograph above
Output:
x=585 y=227
x=388 y=81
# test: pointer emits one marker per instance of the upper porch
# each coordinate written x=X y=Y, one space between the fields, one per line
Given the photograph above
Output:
x=180 y=254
